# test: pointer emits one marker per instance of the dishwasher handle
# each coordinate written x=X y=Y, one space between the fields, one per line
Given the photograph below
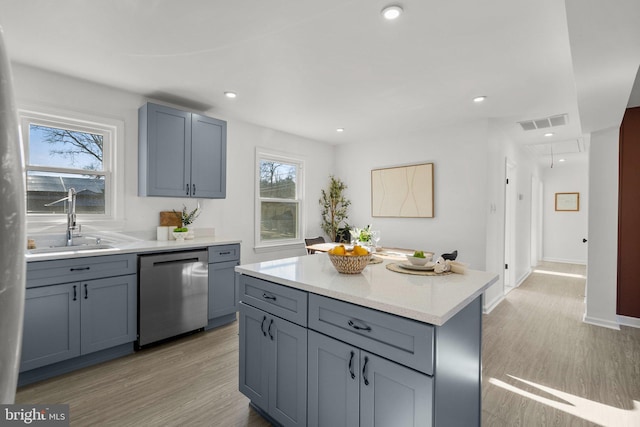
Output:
x=176 y=261
x=181 y=257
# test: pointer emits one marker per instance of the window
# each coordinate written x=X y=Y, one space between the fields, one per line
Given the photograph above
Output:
x=62 y=153
x=279 y=205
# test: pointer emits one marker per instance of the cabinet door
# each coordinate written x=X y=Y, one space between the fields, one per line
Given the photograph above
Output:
x=165 y=151
x=394 y=395
x=223 y=294
x=334 y=379
x=288 y=372
x=51 y=325
x=254 y=355
x=209 y=157
x=108 y=313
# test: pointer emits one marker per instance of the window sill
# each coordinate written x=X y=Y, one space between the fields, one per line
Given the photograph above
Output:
x=278 y=247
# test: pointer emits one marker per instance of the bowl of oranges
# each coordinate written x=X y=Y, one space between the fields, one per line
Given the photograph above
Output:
x=349 y=261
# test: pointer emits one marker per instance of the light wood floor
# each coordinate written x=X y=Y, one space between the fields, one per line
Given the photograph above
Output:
x=541 y=367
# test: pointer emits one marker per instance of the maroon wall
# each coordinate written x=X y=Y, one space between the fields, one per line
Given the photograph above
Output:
x=629 y=216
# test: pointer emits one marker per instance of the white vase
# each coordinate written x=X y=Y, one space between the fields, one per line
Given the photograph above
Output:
x=179 y=235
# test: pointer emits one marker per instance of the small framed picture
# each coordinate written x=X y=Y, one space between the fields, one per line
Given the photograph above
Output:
x=568 y=202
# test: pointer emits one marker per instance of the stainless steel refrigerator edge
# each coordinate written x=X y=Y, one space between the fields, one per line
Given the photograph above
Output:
x=13 y=240
x=173 y=290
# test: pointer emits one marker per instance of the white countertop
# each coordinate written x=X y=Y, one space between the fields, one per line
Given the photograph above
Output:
x=136 y=246
x=430 y=299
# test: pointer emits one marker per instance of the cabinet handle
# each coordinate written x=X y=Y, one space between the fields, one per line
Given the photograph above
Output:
x=359 y=328
x=79 y=268
x=224 y=253
x=353 y=375
x=75 y=293
x=271 y=297
x=193 y=193
x=364 y=371
x=187 y=189
x=270 y=323
x=264 y=318
x=86 y=291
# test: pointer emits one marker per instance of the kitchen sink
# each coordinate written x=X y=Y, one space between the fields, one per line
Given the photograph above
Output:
x=74 y=248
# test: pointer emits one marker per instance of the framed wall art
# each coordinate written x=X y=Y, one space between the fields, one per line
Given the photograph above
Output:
x=403 y=191
x=568 y=202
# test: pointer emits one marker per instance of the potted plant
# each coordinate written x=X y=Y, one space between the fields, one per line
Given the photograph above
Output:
x=186 y=218
x=180 y=233
x=334 y=207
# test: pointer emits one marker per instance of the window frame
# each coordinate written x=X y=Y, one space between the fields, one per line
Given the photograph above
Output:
x=267 y=154
x=110 y=130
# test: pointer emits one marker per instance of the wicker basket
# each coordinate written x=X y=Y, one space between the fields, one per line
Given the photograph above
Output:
x=349 y=264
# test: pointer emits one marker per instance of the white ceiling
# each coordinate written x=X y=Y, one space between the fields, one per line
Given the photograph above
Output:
x=308 y=67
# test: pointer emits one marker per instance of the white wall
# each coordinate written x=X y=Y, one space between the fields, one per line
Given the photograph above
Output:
x=460 y=173
x=232 y=217
x=564 y=231
x=499 y=149
x=602 y=264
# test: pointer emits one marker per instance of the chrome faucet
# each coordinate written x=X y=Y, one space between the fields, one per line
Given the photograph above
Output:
x=71 y=214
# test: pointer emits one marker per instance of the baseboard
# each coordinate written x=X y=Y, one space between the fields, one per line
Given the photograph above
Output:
x=601 y=322
x=488 y=307
x=523 y=278
x=633 y=322
x=565 y=261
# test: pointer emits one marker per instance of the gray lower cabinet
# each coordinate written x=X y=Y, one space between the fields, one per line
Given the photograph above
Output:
x=73 y=319
x=223 y=289
x=51 y=331
x=76 y=307
x=350 y=387
x=273 y=365
x=365 y=367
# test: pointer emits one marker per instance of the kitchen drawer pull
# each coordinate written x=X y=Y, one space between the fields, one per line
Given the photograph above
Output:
x=187 y=189
x=353 y=375
x=86 y=291
x=80 y=269
x=270 y=324
x=264 y=318
x=224 y=253
x=364 y=371
x=359 y=328
x=266 y=296
x=75 y=293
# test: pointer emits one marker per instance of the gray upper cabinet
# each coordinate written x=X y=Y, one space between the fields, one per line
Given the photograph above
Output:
x=181 y=154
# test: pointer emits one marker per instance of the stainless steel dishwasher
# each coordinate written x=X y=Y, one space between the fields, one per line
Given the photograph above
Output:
x=173 y=291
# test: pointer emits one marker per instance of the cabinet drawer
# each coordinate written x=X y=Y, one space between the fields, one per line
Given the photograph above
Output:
x=43 y=273
x=287 y=303
x=224 y=253
x=402 y=340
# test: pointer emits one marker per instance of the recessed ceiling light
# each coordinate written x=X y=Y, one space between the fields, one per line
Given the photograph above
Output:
x=391 y=12
x=230 y=94
x=562 y=160
x=478 y=99
x=340 y=130
x=548 y=134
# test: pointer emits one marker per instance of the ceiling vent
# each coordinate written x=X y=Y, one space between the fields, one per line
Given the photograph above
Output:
x=544 y=123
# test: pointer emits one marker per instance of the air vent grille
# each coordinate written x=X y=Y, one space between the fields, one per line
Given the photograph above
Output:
x=547 y=122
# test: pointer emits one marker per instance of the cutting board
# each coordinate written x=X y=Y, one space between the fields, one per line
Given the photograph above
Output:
x=168 y=218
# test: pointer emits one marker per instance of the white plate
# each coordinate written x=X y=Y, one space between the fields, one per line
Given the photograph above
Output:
x=427 y=267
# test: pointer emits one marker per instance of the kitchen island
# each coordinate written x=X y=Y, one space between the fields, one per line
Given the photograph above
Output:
x=378 y=348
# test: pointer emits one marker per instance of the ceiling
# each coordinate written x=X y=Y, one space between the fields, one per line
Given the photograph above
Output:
x=308 y=67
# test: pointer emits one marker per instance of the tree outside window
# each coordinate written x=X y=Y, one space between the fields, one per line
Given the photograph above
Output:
x=62 y=155
x=279 y=200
